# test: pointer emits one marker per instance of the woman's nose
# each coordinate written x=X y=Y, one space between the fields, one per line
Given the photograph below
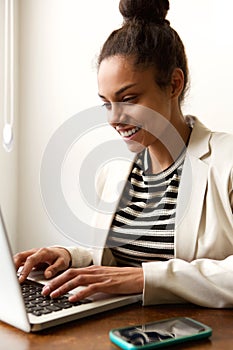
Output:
x=115 y=113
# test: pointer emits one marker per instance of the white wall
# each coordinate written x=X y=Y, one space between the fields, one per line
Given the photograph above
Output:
x=8 y=161
x=59 y=41
x=205 y=27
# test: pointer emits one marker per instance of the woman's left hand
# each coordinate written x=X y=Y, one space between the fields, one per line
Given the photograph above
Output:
x=106 y=279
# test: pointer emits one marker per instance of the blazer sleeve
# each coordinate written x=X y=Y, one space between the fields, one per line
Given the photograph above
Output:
x=204 y=282
x=80 y=257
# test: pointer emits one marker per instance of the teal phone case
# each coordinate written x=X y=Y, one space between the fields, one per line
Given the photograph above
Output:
x=123 y=344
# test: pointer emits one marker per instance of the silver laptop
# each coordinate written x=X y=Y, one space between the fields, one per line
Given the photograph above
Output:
x=22 y=314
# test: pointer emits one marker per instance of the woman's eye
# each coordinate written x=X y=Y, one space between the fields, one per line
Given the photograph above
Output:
x=129 y=99
x=107 y=105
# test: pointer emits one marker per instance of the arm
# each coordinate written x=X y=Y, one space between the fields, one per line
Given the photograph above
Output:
x=106 y=279
x=203 y=282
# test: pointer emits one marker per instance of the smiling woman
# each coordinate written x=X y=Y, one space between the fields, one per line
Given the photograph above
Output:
x=122 y=87
x=170 y=235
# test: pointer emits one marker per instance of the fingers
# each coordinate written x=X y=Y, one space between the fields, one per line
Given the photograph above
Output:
x=90 y=290
x=20 y=258
x=59 y=265
x=65 y=282
x=58 y=260
x=28 y=260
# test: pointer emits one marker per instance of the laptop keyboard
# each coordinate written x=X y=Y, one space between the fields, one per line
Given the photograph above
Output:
x=39 y=305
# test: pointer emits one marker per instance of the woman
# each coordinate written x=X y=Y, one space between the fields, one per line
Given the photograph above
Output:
x=177 y=202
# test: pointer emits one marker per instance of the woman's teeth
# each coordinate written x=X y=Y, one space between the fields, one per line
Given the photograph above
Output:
x=129 y=132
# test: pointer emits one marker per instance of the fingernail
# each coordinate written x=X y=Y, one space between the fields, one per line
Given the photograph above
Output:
x=48 y=274
x=73 y=298
x=46 y=290
x=21 y=278
x=55 y=294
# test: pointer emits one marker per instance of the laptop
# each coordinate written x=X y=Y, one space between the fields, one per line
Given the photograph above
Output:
x=22 y=314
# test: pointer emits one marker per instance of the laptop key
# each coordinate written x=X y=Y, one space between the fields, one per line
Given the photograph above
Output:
x=53 y=307
x=46 y=311
x=39 y=305
x=37 y=313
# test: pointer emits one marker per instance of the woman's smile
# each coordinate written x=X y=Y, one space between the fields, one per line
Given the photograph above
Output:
x=129 y=132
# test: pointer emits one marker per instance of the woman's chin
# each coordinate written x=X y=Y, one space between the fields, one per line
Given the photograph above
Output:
x=134 y=146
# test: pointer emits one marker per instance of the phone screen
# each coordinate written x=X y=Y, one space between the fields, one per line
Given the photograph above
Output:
x=160 y=331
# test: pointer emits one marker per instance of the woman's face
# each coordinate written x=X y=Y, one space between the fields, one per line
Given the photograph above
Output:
x=138 y=108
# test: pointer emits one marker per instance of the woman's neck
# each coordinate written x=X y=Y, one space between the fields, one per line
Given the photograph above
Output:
x=165 y=150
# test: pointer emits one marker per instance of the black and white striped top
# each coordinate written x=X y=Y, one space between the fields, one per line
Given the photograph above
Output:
x=143 y=227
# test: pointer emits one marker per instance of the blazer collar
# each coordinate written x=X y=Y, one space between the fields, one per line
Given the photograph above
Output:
x=199 y=139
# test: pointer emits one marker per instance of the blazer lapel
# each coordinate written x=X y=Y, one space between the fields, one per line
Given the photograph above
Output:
x=191 y=193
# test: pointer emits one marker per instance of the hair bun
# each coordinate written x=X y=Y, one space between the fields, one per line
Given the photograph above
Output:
x=147 y=10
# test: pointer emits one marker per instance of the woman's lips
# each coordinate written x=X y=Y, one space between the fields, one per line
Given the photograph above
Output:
x=129 y=132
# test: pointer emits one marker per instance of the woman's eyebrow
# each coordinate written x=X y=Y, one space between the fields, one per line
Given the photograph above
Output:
x=121 y=90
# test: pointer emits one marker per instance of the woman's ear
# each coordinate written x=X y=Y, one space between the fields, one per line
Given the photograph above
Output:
x=177 y=82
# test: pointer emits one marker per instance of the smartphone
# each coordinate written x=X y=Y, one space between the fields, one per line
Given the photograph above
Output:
x=160 y=333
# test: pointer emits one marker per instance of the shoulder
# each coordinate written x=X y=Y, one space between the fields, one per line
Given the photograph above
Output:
x=214 y=149
x=222 y=139
x=221 y=147
x=210 y=145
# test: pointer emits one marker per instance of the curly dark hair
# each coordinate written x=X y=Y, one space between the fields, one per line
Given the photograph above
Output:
x=147 y=37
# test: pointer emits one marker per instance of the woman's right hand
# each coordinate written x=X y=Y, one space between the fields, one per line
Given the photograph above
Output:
x=53 y=259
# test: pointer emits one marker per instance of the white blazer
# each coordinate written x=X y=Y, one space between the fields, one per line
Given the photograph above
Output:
x=202 y=270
